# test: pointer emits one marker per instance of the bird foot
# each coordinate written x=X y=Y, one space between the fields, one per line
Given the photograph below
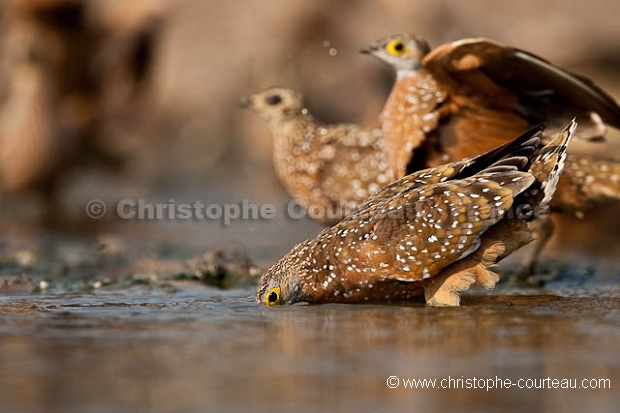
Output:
x=444 y=291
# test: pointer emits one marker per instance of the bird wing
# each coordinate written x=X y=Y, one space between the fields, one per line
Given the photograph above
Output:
x=428 y=228
x=352 y=165
x=480 y=73
x=350 y=136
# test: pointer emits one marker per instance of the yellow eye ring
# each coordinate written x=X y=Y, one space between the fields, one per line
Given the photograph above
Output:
x=396 y=47
x=273 y=297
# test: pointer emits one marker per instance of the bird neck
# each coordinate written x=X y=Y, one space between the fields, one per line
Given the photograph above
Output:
x=402 y=74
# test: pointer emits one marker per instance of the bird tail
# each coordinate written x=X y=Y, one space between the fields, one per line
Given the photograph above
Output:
x=548 y=165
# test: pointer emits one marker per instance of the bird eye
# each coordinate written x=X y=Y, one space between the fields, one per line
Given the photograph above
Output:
x=273 y=297
x=274 y=100
x=396 y=47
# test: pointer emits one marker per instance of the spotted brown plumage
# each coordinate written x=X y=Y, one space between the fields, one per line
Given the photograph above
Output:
x=329 y=169
x=587 y=180
x=466 y=97
x=434 y=232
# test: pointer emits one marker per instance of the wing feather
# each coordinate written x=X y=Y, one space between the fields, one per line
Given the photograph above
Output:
x=437 y=225
x=503 y=78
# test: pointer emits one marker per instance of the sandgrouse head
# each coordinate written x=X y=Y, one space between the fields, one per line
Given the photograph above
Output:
x=275 y=104
x=281 y=283
x=403 y=52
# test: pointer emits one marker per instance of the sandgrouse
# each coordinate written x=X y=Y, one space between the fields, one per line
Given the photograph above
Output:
x=329 y=169
x=434 y=232
x=466 y=97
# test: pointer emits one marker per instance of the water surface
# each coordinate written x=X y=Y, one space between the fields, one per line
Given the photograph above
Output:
x=203 y=349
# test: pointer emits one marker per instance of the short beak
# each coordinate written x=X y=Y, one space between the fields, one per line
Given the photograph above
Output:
x=245 y=102
x=368 y=49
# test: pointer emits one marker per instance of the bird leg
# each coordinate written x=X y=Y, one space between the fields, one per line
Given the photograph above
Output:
x=443 y=290
x=544 y=231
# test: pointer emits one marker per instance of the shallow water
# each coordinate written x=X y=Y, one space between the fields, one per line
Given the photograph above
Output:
x=204 y=349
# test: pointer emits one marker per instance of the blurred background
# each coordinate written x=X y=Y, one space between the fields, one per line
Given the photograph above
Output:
x=115 y=99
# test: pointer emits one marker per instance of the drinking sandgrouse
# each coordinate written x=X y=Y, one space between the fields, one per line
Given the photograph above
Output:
x=466 y=97
x=329 y=169
x=434 y=232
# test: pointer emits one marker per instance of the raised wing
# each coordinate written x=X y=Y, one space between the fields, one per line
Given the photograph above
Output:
x=482 y=73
